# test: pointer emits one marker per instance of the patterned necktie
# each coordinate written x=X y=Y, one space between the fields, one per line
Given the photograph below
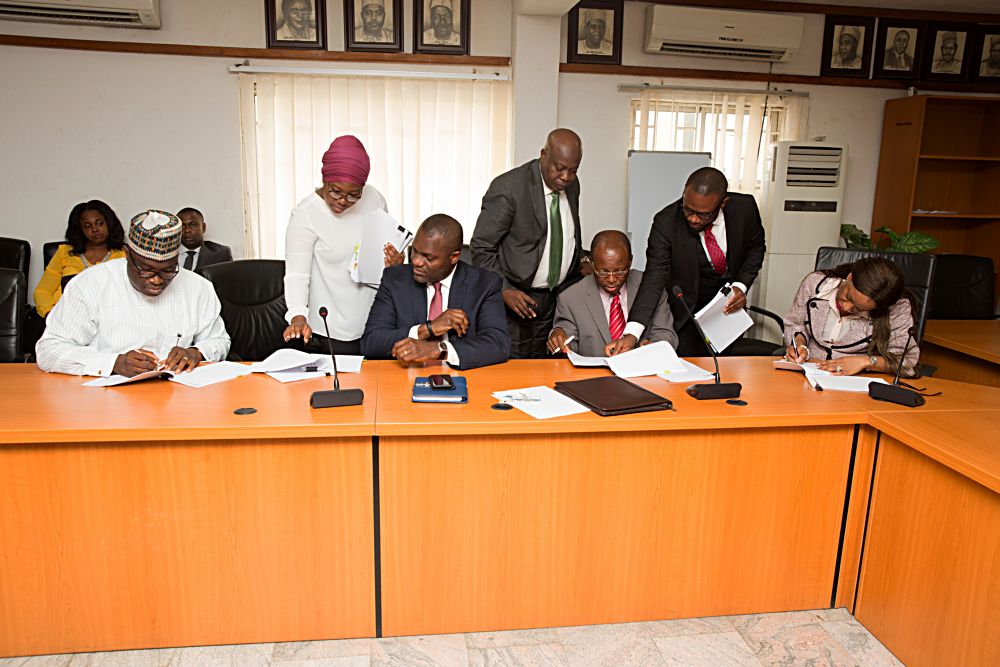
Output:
x=616 y=318
x=555 y=242
x=715 y=252
x=436 y=308
x=189 y=260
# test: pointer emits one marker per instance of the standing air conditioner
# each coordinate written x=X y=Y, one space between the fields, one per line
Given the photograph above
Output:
x=804 y=207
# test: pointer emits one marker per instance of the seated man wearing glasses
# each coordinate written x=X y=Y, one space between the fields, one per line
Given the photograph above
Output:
x=593 y=312
x=137 y=313
x=704 y=240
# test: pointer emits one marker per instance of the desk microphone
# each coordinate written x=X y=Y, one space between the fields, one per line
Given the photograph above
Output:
x=893 y=393
x=336 y=397
x=707 y=391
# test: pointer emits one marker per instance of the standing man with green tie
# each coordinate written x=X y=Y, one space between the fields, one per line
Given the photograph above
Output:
x=529 y=233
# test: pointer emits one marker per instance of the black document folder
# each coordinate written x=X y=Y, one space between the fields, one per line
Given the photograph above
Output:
x=610 y=396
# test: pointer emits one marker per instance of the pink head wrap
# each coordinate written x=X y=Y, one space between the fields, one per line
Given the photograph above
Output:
x=346 y=161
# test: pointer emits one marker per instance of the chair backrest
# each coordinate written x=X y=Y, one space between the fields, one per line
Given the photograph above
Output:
x=15 y=254
x=964 y=288
x=918 y=273
x=252 y=293
x=49 y=249
x=13 y=286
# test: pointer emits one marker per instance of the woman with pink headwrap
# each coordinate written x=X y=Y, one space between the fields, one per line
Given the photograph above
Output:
x=319 y=246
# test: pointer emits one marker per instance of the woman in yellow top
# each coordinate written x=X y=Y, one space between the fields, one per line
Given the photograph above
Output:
x=94 y=234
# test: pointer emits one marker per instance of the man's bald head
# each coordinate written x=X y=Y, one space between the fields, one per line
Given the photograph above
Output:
x=446 y=227
x=560 y=158
x=707 y=181
x=610 y=240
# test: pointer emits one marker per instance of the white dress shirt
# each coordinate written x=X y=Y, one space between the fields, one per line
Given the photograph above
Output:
x=836 y=325
x=101 y=316
x=319 y=247
x=541 y=279
x=452 y=358
x=606 y=302
x=718 y=228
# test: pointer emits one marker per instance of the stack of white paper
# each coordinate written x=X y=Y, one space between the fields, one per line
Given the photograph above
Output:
x=690 y=373
x=721 y=329
x=843 y=382
x=541 y=402
x=644 y=360
x=369 y=257
x=288 y=365
x=807 y=367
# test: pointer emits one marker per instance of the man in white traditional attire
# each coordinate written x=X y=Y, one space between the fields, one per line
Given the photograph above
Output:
x=135 y=314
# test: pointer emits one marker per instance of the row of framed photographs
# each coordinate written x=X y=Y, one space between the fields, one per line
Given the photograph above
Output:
x=915 y=50
x=439 y=26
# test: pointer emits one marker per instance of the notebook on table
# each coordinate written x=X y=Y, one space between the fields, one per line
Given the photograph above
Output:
x=610 y=395
x=423 y=393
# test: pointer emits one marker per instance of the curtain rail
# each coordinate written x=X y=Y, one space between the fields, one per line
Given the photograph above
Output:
x=404 y=74
x=641 y=87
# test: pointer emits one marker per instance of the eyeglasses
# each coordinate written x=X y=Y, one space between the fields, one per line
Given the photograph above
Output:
x=166 y=275
x=349 y=197
x=704 y=216
x=607 y=274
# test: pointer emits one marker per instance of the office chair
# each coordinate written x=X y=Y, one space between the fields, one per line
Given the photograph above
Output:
x=963 y=288
x=15 y=254
x=13 y=287
x=252 y=293
x=49 y=249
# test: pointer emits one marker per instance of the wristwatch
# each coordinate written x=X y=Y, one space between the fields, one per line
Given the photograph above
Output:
x=444 y=350
x=872 y=360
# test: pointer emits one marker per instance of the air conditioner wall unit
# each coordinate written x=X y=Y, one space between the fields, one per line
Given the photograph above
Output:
x=718 y=33
x=116 y=13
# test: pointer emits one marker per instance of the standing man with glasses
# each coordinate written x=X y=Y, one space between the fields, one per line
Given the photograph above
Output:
x=593 y=312
x=136 y=314
x=528 y=232
x=704 y=240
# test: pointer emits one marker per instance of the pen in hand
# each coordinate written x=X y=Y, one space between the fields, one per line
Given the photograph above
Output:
x=565 y=346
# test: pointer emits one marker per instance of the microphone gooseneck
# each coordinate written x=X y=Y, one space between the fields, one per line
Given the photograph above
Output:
x=902 y=358
x=679 y=293
x=719 y=389
x=323 y=312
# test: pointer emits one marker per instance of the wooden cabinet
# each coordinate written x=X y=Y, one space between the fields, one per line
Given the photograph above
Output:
x=939 y=171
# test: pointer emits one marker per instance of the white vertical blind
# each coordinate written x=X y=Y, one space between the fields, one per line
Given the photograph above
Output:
x=435 y=144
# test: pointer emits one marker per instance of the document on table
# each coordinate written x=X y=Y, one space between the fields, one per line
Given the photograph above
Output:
x=369 y=257
x=203 y=376
x=807 y=367
x=287 y=360
x=644 y=360
x=541 y=402
x=843 y=382
x=721 y=329
x=690 y=373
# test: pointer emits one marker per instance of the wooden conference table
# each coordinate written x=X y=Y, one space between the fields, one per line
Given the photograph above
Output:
x=964 y=350
x=151 y=515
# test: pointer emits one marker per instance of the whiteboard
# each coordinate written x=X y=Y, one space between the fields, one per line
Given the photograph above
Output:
x=655 y=180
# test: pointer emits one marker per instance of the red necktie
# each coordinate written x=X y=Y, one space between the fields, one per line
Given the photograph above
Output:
x=616 y=318
x=715 y=252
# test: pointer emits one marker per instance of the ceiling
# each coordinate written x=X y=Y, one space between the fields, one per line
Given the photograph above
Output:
x=980 y=6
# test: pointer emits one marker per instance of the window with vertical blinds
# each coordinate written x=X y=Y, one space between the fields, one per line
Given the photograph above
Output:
x=738 y=129
x=435 y=144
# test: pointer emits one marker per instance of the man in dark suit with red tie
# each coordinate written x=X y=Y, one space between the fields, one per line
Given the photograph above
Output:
x=701 y=242
x=438 y=307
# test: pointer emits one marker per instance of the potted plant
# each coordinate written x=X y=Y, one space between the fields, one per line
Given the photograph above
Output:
x=911 y=242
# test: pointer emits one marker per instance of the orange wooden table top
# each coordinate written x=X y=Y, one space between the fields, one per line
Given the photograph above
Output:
x=978 y=338
x=47 y=407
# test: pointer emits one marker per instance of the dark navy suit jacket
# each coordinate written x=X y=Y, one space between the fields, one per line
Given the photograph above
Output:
x=401 y=303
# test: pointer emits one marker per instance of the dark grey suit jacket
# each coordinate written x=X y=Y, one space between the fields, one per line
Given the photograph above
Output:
x=212 y=253
x=513 y=224
x=580 y=313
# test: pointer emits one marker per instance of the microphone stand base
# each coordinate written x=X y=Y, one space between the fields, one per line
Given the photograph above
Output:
x=894 y=394
x=706 y=392
x=336 y=398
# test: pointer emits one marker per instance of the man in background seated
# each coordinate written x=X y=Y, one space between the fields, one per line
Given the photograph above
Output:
x=594 y=310
x=135 y=314
x=438 y=307
x=197 y=251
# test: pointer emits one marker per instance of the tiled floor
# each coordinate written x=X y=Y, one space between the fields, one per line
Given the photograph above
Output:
x=812 y=638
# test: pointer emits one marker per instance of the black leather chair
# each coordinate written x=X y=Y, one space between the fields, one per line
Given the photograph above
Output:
x=49 y=249
x=13 y=288
x=252 y=293
x=963 y=288
x=15 y=254
x=918 y=272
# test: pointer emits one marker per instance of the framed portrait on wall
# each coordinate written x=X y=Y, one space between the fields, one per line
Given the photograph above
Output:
x=296 y=24
x=899 y=49
x=373 y=25
x=946 y=56
x=986 y=54
x=441 y=26
x=594 y=33
x=847 y=46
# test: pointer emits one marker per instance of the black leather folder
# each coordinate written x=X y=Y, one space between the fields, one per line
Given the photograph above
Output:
x=610 y=396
